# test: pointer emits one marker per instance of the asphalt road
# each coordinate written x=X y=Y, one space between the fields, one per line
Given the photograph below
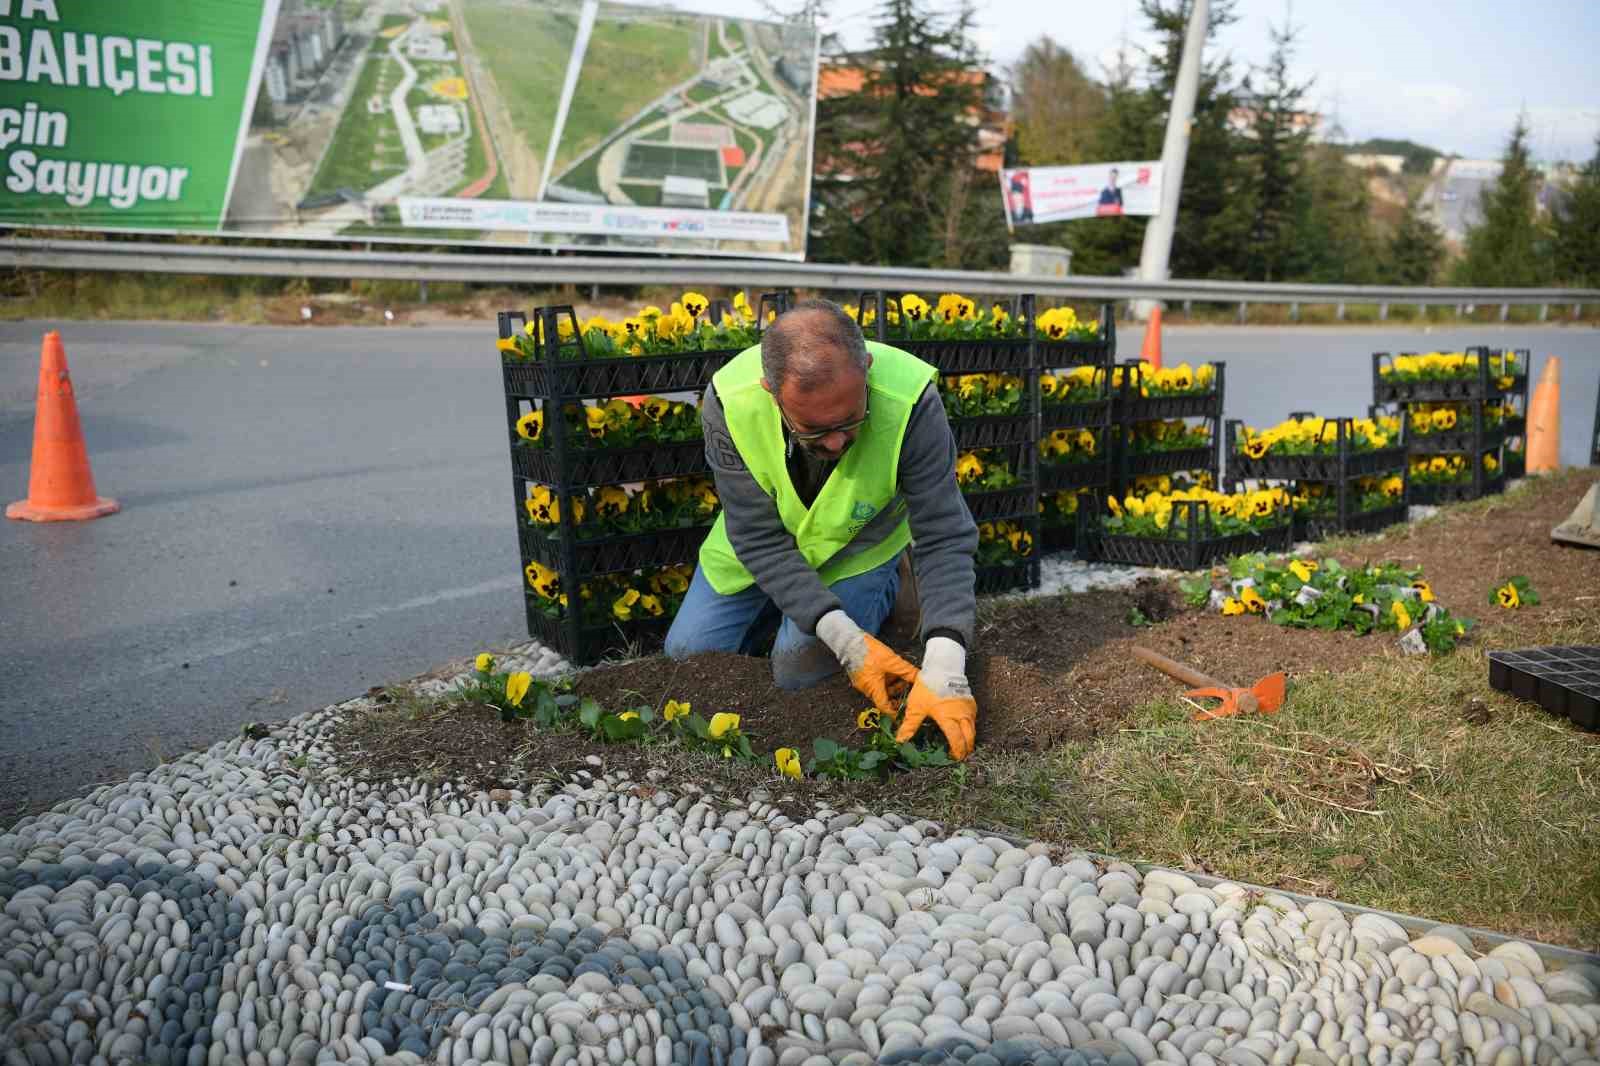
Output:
x=311 y=512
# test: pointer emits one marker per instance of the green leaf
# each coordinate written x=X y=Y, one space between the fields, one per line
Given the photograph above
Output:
x=589 y=714
x=824 y=749
x=615 y=728
x=646 y=714
x=545 y=711
x=697 y=725
x=869 y=760
x=566 y=699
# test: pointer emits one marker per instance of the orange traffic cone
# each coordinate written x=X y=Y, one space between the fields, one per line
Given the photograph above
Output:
x=1152 y=339
x=60 y=485
x=1544 y=420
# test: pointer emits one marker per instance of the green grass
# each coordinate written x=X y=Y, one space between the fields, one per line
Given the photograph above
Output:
x=355 y=147
x=654 y=56
x=735 y=33
x=1368 y=787
x=527 y=66
x=703 y=91
x=643 y=195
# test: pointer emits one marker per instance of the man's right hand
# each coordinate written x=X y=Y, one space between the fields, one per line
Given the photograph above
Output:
x=869 y=662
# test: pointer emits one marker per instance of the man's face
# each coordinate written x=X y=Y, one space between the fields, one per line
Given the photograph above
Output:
x=835 y=411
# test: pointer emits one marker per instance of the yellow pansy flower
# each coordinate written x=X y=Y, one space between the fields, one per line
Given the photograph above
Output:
x=1402 y=617
x=517 y=687
x=868 y=719
x=484 y=662
x=674 y=710
x=721 y=722
x=788 y=761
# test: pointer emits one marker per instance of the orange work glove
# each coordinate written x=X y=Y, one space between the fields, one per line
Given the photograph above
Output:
x=941 y=692
x=872 y=666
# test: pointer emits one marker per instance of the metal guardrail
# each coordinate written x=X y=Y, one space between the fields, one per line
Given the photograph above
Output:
x=535 y=269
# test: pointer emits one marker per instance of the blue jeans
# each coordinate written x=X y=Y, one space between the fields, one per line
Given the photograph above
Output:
x=710 y=621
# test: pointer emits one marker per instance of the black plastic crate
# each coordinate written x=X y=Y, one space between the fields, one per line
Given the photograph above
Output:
x=1019 y=501
x=1563 y=679
x=982 y=356
x=1144 y=464
x=1342 y=465
x=1321 y=527
x=1010 y=578
x=564 y=369
x=992 y=431
x=1516 y=464
x=608 y=555
x=1058 y=538
x=1074 y=415
x=1193 y=551
x=1455 y=492
x=1131 y=407
x=584 y=645
x=1056 y=476
x=1480 y=386
x=588 y=467
x=1456 y=440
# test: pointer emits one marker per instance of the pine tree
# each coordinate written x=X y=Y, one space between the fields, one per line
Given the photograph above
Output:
x=1508 y=247
x=1213 y=211
x=1335 y=238
x=895 y=161
x=1416 y=249
x=1577 y=229
x=1278 y=190
x=1057 y=106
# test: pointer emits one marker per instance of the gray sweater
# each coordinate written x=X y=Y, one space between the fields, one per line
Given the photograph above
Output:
x=944 y=536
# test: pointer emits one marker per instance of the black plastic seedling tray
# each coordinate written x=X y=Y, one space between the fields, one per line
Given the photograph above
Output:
x=1564 y=680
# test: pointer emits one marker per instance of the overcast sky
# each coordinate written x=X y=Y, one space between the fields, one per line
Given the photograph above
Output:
x=1452 y=75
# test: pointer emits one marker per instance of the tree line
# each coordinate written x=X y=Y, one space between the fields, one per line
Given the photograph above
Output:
x=896 y=182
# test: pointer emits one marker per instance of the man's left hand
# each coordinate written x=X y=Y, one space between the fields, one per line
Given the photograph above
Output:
x=941 y=692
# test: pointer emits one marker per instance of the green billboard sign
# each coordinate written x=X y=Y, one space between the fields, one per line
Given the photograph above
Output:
x=123 y=116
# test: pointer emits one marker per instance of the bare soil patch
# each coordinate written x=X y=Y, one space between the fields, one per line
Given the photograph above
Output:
x=1048 y=670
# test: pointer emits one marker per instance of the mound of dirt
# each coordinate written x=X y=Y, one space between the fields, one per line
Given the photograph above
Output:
x=1022 y=708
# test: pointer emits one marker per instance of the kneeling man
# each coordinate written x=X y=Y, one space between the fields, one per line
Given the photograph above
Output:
x=832 y=458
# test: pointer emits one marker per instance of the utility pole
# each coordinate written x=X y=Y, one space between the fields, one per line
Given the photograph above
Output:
x=1157 y=252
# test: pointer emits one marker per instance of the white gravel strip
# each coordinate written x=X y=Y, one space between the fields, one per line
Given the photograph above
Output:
x=234 y=907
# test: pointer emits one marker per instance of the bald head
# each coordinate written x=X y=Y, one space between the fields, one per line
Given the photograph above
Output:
x=811 y=346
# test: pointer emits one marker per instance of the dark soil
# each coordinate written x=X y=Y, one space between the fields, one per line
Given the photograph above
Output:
x=1048 y=670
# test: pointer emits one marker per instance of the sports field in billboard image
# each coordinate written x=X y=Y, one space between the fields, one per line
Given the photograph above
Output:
x=598 y=104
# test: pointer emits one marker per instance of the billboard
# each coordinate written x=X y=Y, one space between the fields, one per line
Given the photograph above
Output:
x=545 y=123
x=1055 y=194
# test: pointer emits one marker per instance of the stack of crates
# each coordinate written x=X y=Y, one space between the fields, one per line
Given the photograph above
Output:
x=609 y=528
x=1456 y=430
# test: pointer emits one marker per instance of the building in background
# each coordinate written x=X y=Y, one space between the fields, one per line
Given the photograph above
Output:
x=303 y=44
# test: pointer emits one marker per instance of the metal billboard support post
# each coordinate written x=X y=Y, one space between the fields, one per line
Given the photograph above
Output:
x=1156 y=255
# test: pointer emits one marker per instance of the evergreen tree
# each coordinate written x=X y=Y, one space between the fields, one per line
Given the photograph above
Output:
x=895 y=161
x=1577 y=229
x=1507 y=248
x=1057 y=106
x=1336 y=240
x=1278 y=193
x=1416 y=249
x=1213 y=212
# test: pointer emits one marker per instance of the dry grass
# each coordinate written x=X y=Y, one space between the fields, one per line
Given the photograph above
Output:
x=1408 y=785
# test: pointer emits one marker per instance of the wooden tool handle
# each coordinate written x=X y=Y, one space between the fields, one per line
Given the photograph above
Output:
x=1172 y=668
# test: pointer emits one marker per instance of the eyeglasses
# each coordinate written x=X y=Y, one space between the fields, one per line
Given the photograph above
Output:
x=812 y=436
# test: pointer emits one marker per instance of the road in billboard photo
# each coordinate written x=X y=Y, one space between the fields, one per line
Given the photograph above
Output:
x=521 y=122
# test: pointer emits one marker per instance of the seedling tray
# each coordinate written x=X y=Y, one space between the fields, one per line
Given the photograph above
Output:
x=1056 y=476
x=1321 y=527
x=1563 y=679
x=608 y=555
x=1147 y=463
x=1019 y=501
x=1454 y=493
x=1073 y=415
x=992 y=431
x=1456 y=440
x=609 y=466
x=1058 y=538
x=1008 y=578
x=1131 y=407
x=586 y=645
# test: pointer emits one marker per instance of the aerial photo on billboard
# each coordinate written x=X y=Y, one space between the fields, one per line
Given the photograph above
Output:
x=553 y=123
